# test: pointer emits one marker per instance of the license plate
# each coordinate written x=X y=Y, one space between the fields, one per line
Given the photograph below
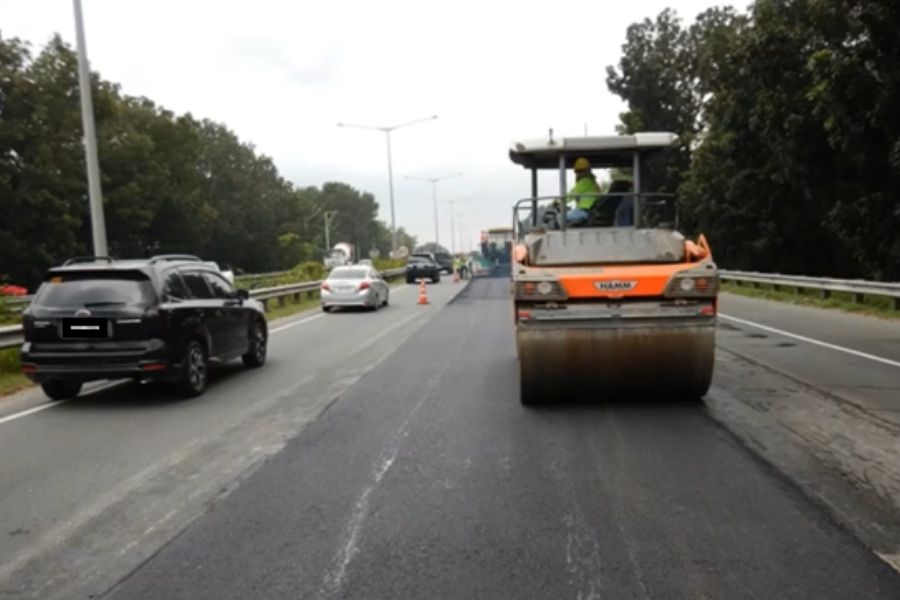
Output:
x=86 y=328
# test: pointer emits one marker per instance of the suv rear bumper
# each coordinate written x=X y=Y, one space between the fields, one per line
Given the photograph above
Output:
x=416 y=275
x=46 y=363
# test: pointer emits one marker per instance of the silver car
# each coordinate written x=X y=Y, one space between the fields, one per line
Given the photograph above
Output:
x=357 y=285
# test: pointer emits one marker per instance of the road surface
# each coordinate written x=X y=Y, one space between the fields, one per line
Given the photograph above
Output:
x=427 y=479
x=93 y=486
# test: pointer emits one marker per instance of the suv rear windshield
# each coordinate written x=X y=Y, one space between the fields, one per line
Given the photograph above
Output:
x=69 y=290
x=348 y=274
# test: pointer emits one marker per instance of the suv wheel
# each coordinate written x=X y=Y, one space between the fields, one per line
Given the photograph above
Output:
x=256 y=353
x=194 y=370
x=436 y=278
x=61 y=390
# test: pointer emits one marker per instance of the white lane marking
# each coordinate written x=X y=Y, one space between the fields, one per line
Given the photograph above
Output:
x=334 y=578
x=294 y=323
x=30 y=411
x=51 y=404
x=808 y=340
x=38 y=409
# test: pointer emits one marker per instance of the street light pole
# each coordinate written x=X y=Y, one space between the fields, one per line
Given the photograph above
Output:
x=98 y=223
x=434 y=181
x=387 y=132
x=387 y=136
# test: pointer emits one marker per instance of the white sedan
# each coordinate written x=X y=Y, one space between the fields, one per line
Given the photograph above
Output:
x=357 y=285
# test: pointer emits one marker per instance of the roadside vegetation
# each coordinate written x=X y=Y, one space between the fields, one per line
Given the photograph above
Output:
x=787 y=114
x=171 y=183
x=11 y=378
x=871 y=305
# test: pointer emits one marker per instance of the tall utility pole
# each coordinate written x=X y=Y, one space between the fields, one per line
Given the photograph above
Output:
x=98 y=223
x=434 y=181
x=329 y=219
x=452 y=227
x=387 y=134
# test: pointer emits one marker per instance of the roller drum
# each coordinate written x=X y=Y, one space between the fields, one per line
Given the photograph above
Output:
x=595 y=362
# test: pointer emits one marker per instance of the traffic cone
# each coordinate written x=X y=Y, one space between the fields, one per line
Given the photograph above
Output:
x=423 y=295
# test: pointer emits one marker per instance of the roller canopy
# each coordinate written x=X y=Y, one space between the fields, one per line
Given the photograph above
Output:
x=602 y=151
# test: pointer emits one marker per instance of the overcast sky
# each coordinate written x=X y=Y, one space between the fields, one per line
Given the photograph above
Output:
x=282 y=74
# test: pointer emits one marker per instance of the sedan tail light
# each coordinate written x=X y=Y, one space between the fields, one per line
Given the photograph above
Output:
x=325 y=286
x=364 y=286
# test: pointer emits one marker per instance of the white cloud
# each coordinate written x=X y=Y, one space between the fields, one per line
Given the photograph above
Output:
x=282 y=74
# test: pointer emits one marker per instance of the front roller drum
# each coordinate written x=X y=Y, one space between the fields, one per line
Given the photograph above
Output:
x=598 y=363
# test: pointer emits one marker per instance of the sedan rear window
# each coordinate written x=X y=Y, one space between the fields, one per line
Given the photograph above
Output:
x=348 y=274
x=76 y=290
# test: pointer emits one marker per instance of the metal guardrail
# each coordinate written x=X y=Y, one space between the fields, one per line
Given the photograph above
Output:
x=11 y=335
x=857 y=288
x=257 y=276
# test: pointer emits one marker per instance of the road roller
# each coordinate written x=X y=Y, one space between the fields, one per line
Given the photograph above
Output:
x=611 y=301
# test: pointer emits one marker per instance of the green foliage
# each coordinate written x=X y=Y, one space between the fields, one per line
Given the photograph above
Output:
x=171 y=183
x=11 y=378
x=309 y=271
x=791 y=159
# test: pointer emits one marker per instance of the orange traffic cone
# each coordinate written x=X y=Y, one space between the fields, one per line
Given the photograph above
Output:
x=423 y=295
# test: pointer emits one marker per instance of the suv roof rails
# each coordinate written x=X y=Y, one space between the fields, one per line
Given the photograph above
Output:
x=168 y=257
x=88 y=259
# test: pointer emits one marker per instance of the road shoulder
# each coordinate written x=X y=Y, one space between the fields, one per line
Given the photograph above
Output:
x=844 y=457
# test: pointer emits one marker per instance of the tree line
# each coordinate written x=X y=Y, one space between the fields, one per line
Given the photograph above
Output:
x=171 y=183
x=789 y=158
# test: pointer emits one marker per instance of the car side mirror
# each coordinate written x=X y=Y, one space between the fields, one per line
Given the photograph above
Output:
x=243 y=295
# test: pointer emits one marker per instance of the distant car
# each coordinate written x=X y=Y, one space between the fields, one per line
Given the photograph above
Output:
x=420 y=267
x=445 y=261
x=164 y=318
x=356 y=285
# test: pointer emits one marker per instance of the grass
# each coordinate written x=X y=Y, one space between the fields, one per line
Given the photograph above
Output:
x=11 y=378
x=873 y=306
x=290 y=307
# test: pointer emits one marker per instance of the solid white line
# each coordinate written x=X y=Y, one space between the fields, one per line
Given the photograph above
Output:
x=91 y=390
x=295 y=323
x=30 y=411
x=803 y=338
x=38 y=409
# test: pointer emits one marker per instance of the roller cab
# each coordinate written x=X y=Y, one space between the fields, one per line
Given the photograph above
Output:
x=619 y=304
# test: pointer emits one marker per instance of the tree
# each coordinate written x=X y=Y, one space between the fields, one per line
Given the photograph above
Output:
x=793 y=159
x=663 y=75
x=171 y=183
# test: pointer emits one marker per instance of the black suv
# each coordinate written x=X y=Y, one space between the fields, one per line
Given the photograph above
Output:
x=163 y=318
x=422 y=267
